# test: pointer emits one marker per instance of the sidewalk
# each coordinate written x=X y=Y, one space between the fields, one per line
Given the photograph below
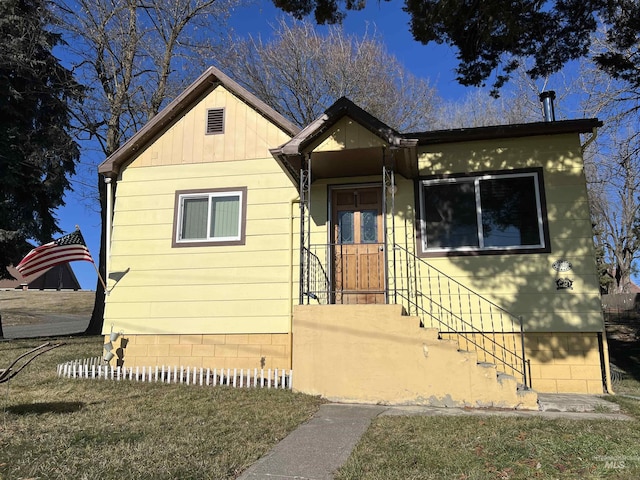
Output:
x=319 y=447
x=55 y=325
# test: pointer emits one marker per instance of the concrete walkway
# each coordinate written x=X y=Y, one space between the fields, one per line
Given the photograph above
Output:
x=54 y=325
x=319 y=447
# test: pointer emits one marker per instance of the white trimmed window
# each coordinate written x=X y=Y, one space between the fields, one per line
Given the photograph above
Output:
x=485 y=213
x=210 y=217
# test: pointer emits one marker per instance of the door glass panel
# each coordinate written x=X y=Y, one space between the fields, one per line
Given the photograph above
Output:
x=369 y=226
x=345 y=227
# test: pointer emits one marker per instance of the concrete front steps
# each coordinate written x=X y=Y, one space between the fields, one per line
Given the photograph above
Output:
x=376 y=354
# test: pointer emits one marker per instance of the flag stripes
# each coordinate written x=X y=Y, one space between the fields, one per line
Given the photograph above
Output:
x=68 y=248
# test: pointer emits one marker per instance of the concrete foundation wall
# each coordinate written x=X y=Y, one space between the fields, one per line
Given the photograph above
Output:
x=561 y=362
x=374 y=354
x=207 y=351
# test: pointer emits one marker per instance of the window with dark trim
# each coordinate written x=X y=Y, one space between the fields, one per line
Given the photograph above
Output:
x=498 y=212
x=210 y=217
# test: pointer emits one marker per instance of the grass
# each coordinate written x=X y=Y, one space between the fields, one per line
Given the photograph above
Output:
x=19 y=307
x=468 y=448
x=53 y=428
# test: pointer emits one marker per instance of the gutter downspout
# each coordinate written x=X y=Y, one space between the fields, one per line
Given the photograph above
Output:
x=292 y=218
x=607 y=367
x=109 y=219
x=605 y=343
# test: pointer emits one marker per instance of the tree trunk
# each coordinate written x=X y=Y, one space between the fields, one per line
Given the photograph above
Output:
x=97 y=316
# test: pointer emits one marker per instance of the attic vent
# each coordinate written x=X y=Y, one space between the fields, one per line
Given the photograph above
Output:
x=215 y=121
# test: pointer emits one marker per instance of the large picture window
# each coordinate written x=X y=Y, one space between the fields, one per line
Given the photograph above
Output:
x=210 y=217
x=490 y=213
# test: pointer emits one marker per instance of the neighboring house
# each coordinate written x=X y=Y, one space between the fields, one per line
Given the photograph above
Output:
x=379 y=266
x=60 y=277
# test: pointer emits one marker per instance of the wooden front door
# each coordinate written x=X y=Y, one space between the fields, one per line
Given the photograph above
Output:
x=358 y=245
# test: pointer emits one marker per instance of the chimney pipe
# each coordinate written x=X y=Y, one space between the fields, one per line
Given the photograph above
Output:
x=547 y=99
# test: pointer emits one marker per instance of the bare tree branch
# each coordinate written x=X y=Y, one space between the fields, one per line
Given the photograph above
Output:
x=301 y=72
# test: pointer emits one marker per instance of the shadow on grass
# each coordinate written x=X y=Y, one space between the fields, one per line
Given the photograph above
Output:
x=624 y=344
x=626 y=356
x=45 y=407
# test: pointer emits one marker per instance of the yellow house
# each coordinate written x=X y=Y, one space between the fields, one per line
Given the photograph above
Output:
x=448 y=267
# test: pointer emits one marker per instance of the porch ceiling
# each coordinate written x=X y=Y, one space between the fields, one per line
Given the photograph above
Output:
x=363 y=162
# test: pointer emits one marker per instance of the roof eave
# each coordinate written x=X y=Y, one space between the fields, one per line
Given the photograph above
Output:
x=504 y=131
x=343 y=107
x=211 y=78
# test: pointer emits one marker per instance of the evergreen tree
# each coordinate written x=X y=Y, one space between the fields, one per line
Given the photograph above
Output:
x=492 y=36
x=37 y=152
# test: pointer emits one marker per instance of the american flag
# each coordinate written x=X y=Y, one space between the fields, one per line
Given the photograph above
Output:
x=69 y=248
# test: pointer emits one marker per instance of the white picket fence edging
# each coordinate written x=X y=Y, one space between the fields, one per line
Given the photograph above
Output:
x=95 y=368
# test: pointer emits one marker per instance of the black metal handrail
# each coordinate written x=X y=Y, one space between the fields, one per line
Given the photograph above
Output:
x=444 y=303
x=330 y=271
x=316 y=284
x=440 y=301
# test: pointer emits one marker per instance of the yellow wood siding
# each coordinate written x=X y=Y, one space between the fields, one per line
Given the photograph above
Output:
x=526 y=284
x=209 y=289
x=233 y=289
x=347 y=134
x=247 y=135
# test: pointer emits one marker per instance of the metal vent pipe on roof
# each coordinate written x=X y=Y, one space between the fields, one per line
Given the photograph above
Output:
x=547 y=99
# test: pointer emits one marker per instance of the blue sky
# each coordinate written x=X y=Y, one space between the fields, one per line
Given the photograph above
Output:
x=435 y=62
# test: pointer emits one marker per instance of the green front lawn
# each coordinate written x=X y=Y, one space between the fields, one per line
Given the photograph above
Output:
x=472 y=448
x=52 y=428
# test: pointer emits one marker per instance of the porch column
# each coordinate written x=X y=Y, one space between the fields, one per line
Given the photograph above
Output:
x=389 y=188
x=305 y=228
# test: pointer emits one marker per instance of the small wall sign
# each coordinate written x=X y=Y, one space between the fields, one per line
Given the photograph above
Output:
x=564 y=284
x=562 y=265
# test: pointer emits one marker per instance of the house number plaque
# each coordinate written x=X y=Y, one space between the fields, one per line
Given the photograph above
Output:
x=562 y=265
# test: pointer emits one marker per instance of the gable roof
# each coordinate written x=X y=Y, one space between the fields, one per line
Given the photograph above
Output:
x=60 y=277
x=210 y=79
x=289 y=155
x=341 y=108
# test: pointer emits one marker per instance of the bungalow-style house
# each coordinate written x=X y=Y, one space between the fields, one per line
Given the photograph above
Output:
x=450 y=267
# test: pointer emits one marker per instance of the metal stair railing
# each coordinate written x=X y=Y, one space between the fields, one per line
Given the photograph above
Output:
x=457 y=311
x=316 y=285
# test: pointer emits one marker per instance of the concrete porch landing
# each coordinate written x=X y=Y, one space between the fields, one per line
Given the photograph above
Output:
x=568 y=402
